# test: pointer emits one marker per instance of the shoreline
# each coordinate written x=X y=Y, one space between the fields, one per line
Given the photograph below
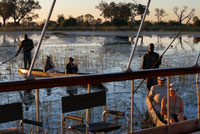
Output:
x=110 y=33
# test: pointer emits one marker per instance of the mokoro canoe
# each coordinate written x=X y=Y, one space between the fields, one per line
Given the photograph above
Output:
x=156 y=119
x=38 y=73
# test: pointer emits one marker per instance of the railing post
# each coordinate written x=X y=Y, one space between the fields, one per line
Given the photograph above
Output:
x=37 y=109
x=168 y=106
x=198 y=101
x=88 y=111
x=132 y=106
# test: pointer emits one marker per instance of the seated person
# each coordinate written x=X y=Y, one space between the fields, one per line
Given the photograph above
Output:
x=49 y=66
x=156 y=94
x=176 y=106
x=70 y=67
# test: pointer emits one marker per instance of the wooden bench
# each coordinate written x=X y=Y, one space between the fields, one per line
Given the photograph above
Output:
x=85 y=101
x=14 y=112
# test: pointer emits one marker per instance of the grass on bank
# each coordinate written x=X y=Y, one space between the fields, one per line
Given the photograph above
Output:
x=98 y=28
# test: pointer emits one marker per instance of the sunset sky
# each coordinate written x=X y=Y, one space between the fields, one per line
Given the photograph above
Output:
x=76 y=8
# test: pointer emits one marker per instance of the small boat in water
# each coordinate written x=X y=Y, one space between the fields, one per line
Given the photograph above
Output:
x=158 y=121
x=40 y=73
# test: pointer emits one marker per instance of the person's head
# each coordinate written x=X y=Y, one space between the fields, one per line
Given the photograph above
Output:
x=173 y=89
x=151 y=47
x=70 y=60
x=25 y=36
x=161 y=80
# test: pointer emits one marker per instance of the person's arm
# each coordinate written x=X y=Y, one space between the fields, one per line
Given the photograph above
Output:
x=44 y=67
x=32 y=45
x=150 y=98
x=68 y=69
x=159 y=60
x=181 y=106
x=143 y=66
x=65 y=69
x=52 y=64
x=20 y=48
x=163 y=106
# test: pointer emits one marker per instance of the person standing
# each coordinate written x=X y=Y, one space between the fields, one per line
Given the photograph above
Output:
x=27 y=45
x=151 y=60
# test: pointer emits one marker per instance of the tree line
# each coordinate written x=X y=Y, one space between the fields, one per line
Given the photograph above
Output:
x=114 y=14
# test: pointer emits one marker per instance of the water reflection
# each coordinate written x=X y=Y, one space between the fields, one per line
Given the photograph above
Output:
x=27 y=99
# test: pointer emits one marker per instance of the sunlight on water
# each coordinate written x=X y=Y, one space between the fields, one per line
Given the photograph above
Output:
x=98 y=52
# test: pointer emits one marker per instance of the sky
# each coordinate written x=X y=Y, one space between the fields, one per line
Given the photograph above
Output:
x=76 y=8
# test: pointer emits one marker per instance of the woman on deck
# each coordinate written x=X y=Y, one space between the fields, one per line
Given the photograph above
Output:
x=70 y=67
x=176 y=106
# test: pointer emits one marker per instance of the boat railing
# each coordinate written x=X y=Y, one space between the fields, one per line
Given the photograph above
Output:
x=50 y=82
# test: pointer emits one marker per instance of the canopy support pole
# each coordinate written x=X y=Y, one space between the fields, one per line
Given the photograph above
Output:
x=40 y=42
x=138 y=35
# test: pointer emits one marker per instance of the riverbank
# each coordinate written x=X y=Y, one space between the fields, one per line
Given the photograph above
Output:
x=105 y=29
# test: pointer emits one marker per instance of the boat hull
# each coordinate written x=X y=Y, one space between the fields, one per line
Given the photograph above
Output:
x=156 y=119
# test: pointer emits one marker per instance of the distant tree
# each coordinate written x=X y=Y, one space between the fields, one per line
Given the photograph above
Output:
x=7 y=8
x=160 y=13
x=25 y=8
x=181 y=16
x=60 y=19
x=196 y=21
x=98 y=21
x=28 y=20
x=107 y=23
x=69 y=22
x=139 y=9
x=52 y=23
x=89 y=18
x=80 y=19
x=173 y=23
x=120 y=12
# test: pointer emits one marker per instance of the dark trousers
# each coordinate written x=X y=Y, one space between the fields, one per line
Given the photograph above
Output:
x=27 y=59
x=151 y=82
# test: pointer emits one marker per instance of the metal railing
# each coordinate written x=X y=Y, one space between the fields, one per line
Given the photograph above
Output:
x=96 y=78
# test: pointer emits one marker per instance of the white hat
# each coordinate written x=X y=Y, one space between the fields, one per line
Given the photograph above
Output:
x=172 y=87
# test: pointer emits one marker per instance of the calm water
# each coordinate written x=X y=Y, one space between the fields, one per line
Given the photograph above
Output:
x=98 y=52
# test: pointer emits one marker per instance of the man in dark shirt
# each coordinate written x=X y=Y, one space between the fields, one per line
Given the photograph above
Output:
x=151 y=60
x=27 y=45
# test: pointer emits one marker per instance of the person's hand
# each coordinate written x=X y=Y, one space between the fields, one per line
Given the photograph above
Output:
x=151 y=106
x=180 y=116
